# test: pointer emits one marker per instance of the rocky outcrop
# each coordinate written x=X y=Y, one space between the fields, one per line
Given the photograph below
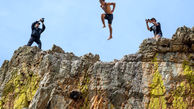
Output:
x=181 y=42
x=160 y=75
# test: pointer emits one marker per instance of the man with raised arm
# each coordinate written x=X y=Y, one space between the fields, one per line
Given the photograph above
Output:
x=156 y=28
x=108 y=15
x=36 y=32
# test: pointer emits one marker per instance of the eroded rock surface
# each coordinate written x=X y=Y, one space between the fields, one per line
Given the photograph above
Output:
x=159 y=76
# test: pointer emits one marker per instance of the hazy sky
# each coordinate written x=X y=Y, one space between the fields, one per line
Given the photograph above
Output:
x=75 y=25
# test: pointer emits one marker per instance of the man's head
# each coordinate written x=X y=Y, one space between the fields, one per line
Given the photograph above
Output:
x=37 y=25
x=153 y=20
x=102 y=2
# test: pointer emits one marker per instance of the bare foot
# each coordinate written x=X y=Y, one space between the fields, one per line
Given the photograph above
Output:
x=104 y=26
x=109 y=38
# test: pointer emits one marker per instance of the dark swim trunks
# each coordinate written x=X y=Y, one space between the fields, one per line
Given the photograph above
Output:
x=109 y=17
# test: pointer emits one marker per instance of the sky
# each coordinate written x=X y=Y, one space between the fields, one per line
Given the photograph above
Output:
x=75 y=25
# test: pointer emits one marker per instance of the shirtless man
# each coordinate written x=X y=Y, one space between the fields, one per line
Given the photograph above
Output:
x=107 y=15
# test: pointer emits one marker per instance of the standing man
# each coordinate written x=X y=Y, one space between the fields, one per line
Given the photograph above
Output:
x=156 y=28
x=107 y=15
x=36 y=32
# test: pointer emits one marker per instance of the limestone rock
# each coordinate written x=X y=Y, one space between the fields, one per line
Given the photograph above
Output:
x=159 y=76
x=57 y=49
x=182 y=41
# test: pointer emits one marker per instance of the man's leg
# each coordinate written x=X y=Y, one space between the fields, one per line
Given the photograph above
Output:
x=30 y=42
x=110 y=28
x=39 y=43
x=103 y=22
x=157 y=37
x=154 y=37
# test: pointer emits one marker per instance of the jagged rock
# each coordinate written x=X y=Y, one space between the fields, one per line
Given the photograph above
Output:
x=132 y=58
x=3 y=70
x=192 y=47
x=159 y=76
x=57 y=49
x=182 y=41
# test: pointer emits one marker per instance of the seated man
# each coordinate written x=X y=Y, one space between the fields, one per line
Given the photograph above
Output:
x=108 y=15
x=36 y=32
x=156 y=28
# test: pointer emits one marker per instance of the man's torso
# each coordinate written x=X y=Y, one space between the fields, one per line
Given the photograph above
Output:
x=36 y=32
x=156 y=29
x=107 y=9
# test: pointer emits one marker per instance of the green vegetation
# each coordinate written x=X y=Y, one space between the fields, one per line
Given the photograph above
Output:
x=157 y=92
x=19 y=90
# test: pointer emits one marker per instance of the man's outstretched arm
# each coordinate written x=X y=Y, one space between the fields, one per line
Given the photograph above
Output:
x=43 y=27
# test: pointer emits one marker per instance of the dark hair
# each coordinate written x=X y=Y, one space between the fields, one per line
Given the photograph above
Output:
x=101 y=1
x=153 y=19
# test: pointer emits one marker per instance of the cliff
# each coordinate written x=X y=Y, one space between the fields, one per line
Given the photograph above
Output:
x=159 y=76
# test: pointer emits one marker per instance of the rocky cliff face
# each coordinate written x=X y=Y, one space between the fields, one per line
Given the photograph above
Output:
x=159 y=76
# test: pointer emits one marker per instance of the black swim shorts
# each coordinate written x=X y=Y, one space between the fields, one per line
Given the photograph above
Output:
x=109 y=17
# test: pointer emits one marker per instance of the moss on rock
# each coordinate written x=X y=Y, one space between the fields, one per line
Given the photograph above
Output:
x=83 y=87
x=157 y=89
x=21 y=87
x=185 y=89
